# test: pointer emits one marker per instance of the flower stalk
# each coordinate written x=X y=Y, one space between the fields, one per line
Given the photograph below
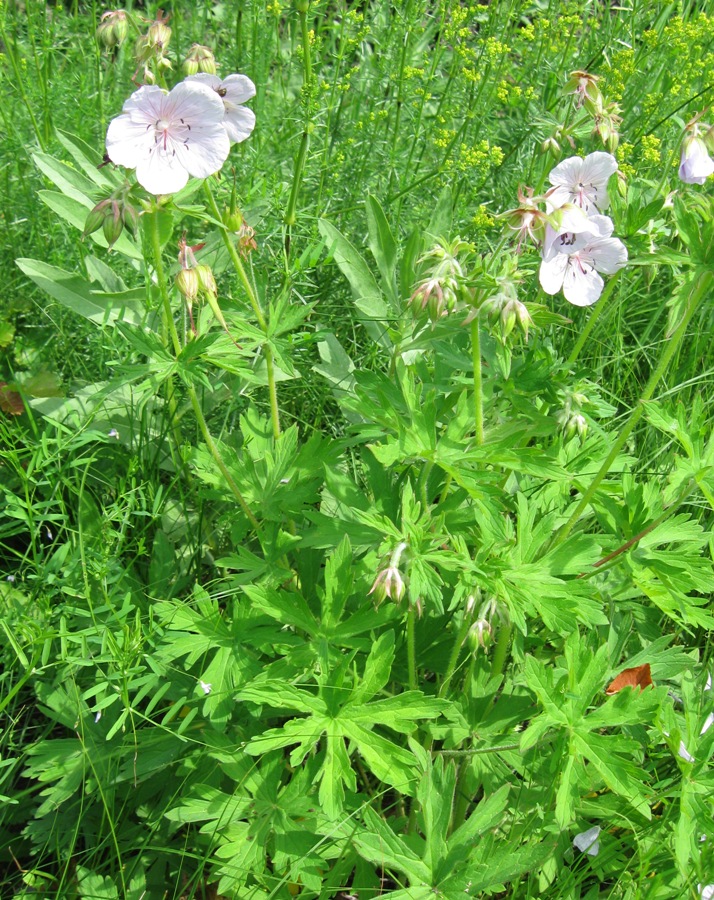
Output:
x=255 y=305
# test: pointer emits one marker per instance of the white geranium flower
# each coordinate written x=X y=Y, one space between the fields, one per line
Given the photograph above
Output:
x=706 y=891
x=587 y=841
x=233 y=91
x=572 y=262
x=582 y=182
x=695 y=163
x=168 y=136
x=569 y=220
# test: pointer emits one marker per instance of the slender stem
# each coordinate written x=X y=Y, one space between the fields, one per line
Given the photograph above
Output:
x=195 y=403
x=253 y=300
x=454 y=657
x=290 y=216
x=411 y=647
x=500 y=651
x=594 y=318
x=478 y=386
x=699 y=290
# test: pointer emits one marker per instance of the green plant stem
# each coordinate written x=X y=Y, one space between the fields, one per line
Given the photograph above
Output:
x=193 y=396
x=500 y=651
x=290 y=214
x=478 y=385
x=255 y=305
x=10 y=52
x=593 y=320
x=454 y=657
x=700 y=289
x=411 y=647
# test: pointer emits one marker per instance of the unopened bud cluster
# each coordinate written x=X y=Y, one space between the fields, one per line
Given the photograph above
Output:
x=113 y=28
x=440 y=291
x=571 y=421
x=200 y=59
x=150 y=49
x=112 y=215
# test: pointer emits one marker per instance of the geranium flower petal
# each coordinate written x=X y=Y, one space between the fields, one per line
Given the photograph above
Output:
x=567 y=172
x=598 y=167
x=582 y=285
x=239 y=88
x=128 y=142
x=552 y=273
x=194 y=103
x=161 y=172
x=608 y=255
x=146 y=105
x=239 y=123
x=205 y=152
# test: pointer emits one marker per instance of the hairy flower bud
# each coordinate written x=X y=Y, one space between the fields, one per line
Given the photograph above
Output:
x=480 y=635
x=112 y=226
x=113 y=28
x=188 y=284
x=206 y=280
x=96 y=216
x=159 y=33
x=200 y=59
x=388 y=583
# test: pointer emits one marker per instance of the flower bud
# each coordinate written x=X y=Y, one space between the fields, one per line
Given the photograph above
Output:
x=130 y=218
x=232 y=219
x=480 y=635
x=112 y=226
x=113 y=28
x=96 y=216
x=206 y=281
x=388 y=583
x=200 y=59
x=188 y=284
x=584 y=87
x=159 y=33
x=550 y=145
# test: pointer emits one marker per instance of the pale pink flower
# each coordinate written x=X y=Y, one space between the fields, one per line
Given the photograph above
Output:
x=168 y=136
x=582 y=182
x=695 y=163
x=233 y=91
x=573 y=263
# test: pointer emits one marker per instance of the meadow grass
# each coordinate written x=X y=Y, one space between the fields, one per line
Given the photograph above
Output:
x=327 y=605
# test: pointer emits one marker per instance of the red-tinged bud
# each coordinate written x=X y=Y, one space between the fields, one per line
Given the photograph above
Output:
x=130 y=218
x=480 y=635
x=96 y=216
x=113 y=28
x=188 y=284
x=112 y=226
x=159 y=33
x=584 y=87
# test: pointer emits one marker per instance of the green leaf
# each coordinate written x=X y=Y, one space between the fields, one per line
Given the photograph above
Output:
x=87 y=159
x=71 y=182
x=161 y=218
x=365 y=290
x=75 y=293
x=383 y=246
x=618 y=772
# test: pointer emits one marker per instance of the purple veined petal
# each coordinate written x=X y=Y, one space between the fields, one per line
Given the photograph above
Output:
x=161 y=172
x=706 y=891
x=146 y=105
x=128 y=142
x=552 y=273
x=567 y=172
x=582 y=285
x=238 y=88
x=194 y=103
x=598 y=167
x=559 y=195
x=608 y=255
x=239 y=123
x=205 y=151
